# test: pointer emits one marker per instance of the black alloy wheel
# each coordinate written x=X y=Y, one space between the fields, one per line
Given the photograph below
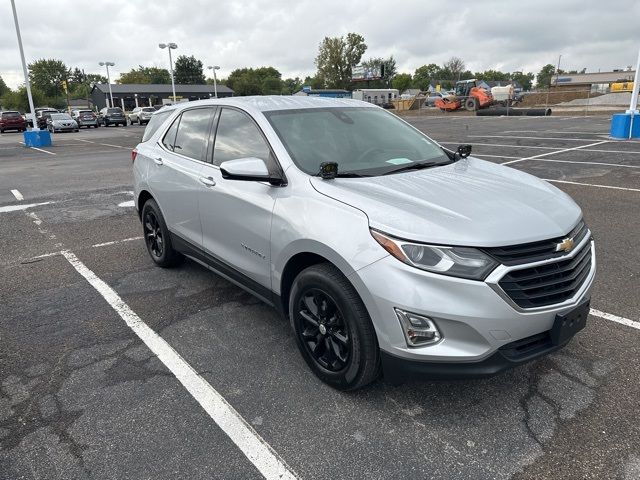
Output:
x=153 y=234
x=333 y=329
x=323 y=330
x=157 y=238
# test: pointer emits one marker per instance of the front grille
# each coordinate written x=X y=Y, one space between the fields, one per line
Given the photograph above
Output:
x=535 y=251
x=550 y=283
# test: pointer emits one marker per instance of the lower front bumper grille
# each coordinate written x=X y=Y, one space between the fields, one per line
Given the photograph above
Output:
x=550 y=283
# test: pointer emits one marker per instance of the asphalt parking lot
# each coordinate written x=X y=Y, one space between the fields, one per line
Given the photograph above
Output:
x=83 y=397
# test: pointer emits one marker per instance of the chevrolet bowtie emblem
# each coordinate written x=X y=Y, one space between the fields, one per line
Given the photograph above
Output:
x=565 y=246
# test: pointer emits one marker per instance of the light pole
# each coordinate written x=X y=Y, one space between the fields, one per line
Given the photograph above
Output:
x=24 y=67
x=108 y=64
x=170 y=46
x=215 y=80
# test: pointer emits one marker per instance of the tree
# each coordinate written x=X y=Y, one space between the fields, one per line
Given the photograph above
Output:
x=3 y=87
x=313 y=82
x=47 y=76
x=426 y=75
x=402 y=81
x=524 y=79
x=145 y=75
x=18 y=100
x=255 y=81
x=188 y=71
x=336 y=58
x=291 y=85
x=543 y=79
x=454 y=67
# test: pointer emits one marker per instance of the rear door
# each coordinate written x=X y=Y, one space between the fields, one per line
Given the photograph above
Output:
x=236 y=214
x=175 y=172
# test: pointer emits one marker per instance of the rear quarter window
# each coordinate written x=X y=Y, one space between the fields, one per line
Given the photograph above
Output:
x=157 y=119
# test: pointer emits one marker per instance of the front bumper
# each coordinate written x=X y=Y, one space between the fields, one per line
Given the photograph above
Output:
x=476 y=322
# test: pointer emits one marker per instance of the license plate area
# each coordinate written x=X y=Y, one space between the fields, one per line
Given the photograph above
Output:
x=567 y=325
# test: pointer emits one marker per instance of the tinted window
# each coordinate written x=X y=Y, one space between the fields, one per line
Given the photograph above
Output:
x=193 y=132
x=11 y=115
x=170 y=137
x=154 y=124
x=114 y=110
x=148 y=109
x=238 y=137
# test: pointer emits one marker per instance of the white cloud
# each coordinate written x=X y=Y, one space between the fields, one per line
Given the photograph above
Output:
x=286 y=33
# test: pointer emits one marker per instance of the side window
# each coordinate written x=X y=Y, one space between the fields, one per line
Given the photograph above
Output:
x=238 y=137
x=170 y=137
x=193 y=132
x=157 y=119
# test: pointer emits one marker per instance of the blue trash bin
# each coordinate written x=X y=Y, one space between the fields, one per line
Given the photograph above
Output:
x=37 y=138
x=621 y=125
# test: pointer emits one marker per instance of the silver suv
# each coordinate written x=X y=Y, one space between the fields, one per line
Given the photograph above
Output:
x=388 y=253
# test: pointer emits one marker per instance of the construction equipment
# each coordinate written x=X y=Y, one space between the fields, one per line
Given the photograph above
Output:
x=469 y=95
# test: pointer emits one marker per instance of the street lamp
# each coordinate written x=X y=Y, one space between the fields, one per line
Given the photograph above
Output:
x=108 y=64
x=215 y=80
x=170 y=46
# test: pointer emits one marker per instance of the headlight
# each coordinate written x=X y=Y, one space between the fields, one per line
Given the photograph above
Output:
x=463 y=262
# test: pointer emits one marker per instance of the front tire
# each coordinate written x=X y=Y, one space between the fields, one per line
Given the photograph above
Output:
x=333 y=329
x=157 y=238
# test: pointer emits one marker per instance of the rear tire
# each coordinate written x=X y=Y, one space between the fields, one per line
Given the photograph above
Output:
x=157 y=237
x=333 y=329
x=471 y=104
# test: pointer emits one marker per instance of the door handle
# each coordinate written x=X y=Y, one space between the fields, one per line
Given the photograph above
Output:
x=158 y=161
x=208 y=181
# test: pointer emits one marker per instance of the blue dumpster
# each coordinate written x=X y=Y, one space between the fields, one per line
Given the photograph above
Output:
x=37 y=138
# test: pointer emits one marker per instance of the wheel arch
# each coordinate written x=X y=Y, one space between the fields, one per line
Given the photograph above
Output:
x=143 y=197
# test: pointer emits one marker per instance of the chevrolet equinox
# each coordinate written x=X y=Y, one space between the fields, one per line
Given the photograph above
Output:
x=388 y=253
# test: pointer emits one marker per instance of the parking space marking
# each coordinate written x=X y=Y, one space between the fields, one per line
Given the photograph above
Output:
x=14 y=208
x=493 y=156
x=128 y=203
x=581 y=163
x=114 y=146
x=38 y=149
x=500 y=145
x=252 y=445
x=115 y=242
x=17 y=194
x=592 y=185
x=534 y=138
x=553 y=153
x=615 y=318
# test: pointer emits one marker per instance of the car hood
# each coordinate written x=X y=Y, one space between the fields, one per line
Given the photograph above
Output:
x=470 y=202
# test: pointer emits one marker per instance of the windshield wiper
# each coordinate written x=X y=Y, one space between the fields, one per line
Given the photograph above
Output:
x=413 y=166
x=350 y=175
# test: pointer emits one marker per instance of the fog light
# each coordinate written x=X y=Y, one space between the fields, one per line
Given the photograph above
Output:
x=418 y=330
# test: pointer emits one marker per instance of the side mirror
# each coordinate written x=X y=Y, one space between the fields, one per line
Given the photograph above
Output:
x=249 y=169
x=464 y=151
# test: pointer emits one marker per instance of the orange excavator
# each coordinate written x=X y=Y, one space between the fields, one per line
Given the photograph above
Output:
x=469 y=95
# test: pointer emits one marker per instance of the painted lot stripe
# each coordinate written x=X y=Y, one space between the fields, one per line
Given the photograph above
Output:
x=265 y=459
x=492 y=156
x=14 y=208
x=501 y=145
x=581 y=163
x=592 y=185
x=615 y=318
x=115 y=242
x=553 y=153
x=114 y=146
x=18 y=195
x=534 y=138
x=39 y=149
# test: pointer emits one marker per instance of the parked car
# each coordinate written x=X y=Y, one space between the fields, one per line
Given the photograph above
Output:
x=85 y=118
x=113 y=116
x=42 y=114
x=141 y=115
x=430 y=101
x=386 y=251
x=12 y=120
x=61 y=122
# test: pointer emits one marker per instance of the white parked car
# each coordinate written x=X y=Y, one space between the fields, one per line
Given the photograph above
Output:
x=141 y=115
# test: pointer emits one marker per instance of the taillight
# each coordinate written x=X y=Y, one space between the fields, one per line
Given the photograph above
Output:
x=134 y=154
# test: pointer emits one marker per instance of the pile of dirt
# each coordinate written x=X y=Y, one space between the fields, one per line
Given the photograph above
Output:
x=553 y=98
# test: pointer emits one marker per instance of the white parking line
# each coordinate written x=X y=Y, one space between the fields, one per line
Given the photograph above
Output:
x=582 y=163
x=534 y=138
x=41 y=150
x=493 y=156
x=14 y=208
x=18 y=195
x=553 y=153
x=114 y=146
x=592 y=185
x=615 y=318
x=536 y=147
x=115 y=242
x=259 y=452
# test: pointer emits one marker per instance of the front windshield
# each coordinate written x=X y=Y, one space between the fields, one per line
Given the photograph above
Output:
x=362 y=140
x=60 y=116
